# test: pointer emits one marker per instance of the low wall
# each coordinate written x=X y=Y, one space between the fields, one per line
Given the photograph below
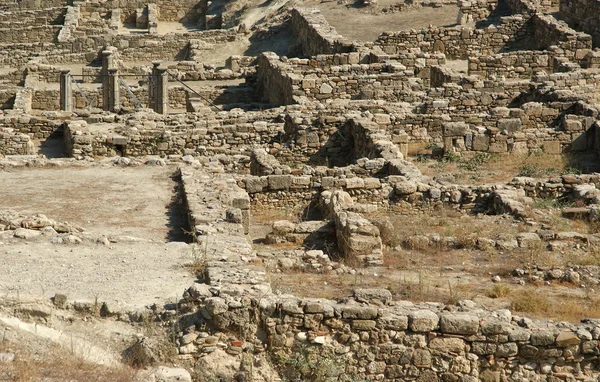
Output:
x=455 y=42
x=368 y=336
x=34 y=34
x=14 y=143
x=228 y=135
x=33 y=127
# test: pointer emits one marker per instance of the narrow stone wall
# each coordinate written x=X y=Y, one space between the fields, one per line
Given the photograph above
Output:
x=315 y=35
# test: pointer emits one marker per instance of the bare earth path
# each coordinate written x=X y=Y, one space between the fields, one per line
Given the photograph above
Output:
x=121 y=203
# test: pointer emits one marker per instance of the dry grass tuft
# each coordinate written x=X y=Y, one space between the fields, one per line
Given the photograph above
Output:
x=530 y=301
x=499 y=291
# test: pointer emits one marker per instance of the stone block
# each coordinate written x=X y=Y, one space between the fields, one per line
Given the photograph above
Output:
x=256 y=184
x=359 y=312
x=279 y=182
x=363 y=324
x=423 y=321
x=459 y=324
x=510 y=125
x=566 y=339
x=551 y=147
x=455 y=129
x=543 y=338
x=447 y=345
x=481 y=142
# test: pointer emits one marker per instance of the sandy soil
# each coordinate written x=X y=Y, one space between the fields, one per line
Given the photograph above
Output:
x=367 y=24
x=109 y=200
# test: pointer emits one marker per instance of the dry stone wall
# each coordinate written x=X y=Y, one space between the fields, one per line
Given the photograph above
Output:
x=582 y=15
x=369 y=335
x=315 y=34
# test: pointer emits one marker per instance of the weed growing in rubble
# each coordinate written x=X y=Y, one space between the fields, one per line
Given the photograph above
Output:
x=312 y=363
x=499 y=291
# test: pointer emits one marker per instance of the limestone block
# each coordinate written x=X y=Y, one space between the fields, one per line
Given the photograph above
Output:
x=363 y=324
x=447 y=345
x=359 y=312
x=325 y=88
x=495 y=326
x=459 y=324
x=279 y=182
x=543 y=338
x=455 y=129
x=423 y=321
x=566 y=339
x=510 y=125
x=256 y=184
x=481 y=142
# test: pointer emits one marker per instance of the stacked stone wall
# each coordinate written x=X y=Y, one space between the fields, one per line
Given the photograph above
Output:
x=582 y=15
x=315 y=35
x=456 y=42
x=368 y=335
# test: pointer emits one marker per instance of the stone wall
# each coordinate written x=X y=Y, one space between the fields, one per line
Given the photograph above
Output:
x=146 y=133
x=31 y=126
x=315 y=35
x=14 y=143
x=134 y=47
x=474 y=10
x=33 y=34
x=13 y=6
x=368 y=335
x=456 y=42
x=582 y=15
x=7 y=98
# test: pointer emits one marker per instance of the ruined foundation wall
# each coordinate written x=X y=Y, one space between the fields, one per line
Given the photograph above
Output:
x=583 y=16
x=456 y=42
x=368 y=336
x=315 y=35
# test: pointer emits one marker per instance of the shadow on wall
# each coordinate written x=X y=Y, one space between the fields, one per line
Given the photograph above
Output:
x=278 y=39
x=177 y=214
x=54 y=145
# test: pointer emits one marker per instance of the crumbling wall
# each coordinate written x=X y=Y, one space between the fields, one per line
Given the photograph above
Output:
x=368 y=335
x=583 y=16
x=456 y=42
x=315 y=35
x=474 y=10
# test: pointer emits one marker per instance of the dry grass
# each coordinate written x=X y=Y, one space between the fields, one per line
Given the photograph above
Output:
x=57 y=365
x=499 y=291
x=543 y=303
x=495 y=168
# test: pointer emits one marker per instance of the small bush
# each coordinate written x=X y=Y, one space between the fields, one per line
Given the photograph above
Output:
x=546 y=203
x=450 y=157
x=476 y=161
x=528 y=170
x=499 y=291
x=530 y=302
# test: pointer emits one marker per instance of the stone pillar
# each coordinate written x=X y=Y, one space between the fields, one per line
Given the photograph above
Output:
x=66 y=91
x=152 y=85
x=162 y=91
x=108 y=61
x=112 y=91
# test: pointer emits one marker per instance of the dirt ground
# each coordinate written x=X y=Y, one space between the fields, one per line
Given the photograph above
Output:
x=134 y=207
x=368 y=23
x=107 y=200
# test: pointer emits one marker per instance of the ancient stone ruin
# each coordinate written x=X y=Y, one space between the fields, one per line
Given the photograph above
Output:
x=314 y=171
